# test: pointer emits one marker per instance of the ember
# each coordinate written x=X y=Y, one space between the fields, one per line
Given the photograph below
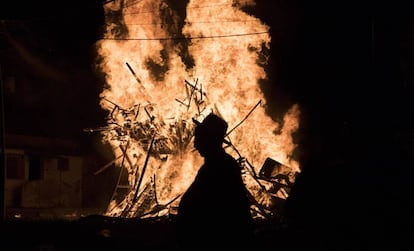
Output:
x=151 y=103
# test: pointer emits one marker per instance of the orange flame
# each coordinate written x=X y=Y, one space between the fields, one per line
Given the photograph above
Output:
x=164 y=68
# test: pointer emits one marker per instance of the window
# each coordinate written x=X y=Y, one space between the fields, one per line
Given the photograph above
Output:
x=35 y=168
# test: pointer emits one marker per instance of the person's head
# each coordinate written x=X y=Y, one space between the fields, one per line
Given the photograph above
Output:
x=209 y=134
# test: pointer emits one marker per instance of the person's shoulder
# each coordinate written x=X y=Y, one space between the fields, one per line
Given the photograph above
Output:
x=230 y=160
x=228 y=156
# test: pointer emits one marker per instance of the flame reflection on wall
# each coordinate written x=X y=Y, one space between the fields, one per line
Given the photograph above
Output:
x=168 y=62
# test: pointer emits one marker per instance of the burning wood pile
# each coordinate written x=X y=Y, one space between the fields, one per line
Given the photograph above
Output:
x=146 y=142
x=148 y=50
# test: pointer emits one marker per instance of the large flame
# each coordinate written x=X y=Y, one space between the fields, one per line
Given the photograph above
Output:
x=166 y=65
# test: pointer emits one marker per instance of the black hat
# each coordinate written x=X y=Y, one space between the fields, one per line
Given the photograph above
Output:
x=213 y=127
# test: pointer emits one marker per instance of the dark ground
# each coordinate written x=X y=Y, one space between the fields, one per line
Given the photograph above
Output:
x=90 y=233
x=100 y=233
x=106 y=233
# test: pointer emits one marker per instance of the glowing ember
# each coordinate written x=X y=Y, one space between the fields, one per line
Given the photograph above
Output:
x=166 y=65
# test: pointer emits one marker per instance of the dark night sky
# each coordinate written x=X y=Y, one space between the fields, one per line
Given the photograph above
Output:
x=58 y=38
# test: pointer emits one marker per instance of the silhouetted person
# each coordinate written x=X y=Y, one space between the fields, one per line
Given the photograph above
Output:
x=214 y=212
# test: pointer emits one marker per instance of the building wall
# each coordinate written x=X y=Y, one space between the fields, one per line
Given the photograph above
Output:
x=60 y=185
x=57 y=183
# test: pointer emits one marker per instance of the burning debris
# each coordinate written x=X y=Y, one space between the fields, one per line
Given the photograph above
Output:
x=147 y=47
x=160 y=139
